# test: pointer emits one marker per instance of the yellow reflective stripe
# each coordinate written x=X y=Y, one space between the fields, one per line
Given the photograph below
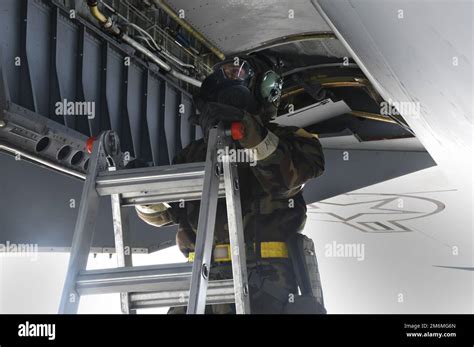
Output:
x=222 y=252
x=271 y=249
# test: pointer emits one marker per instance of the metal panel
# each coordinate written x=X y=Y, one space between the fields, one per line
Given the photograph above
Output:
x=114 y=88
x=102 y=108
x=91 y=78
x=10 y=41
x=38 y=52
x=172 y=121
x=187 y=129
x=126 y=131
x=163 y=154
x=54 y=92
x=421 y=54
x=145 y=142
x=153 y=112
x=72 y=59
x=135 y=109
x=348 y=170
x=350 y=142
x=67 y=35
x=235 y=26
x=82 y=123
x=26 y=97
x=155 y=118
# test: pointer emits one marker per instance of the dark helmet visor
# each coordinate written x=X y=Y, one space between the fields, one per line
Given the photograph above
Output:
x=236 y=70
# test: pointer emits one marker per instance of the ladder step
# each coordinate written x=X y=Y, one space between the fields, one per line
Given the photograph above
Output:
x=155 y=184
x=152 y=286
x=218 y=292
x=134 y=279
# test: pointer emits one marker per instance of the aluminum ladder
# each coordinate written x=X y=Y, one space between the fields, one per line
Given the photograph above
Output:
x=159 y=285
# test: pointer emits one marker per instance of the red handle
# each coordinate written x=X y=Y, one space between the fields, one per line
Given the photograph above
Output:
x=90 y=144
x=237 y=131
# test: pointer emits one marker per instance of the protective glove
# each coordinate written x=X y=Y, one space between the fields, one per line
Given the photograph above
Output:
x=211 y=113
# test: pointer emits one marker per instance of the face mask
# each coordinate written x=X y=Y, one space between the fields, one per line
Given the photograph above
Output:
x=229 y=84
x=238 y=96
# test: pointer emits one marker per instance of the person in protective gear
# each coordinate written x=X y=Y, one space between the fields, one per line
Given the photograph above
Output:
x=248 y=89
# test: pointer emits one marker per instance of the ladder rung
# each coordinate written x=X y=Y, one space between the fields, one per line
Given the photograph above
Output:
x=218 y=292
x=152 y=286
x=134 y=279
x=155 y=184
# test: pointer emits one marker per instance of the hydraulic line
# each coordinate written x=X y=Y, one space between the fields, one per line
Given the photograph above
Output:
x=150 y=40
x=162 y=64
x=105 y=22
x=196 y=34
x=162 y=51
x=96 y=13
x=108 y=25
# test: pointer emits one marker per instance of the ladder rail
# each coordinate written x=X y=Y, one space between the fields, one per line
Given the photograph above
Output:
x=205 y=231
x=127 y=188
x=236 y=236
x=123 y=251
x=83 y=232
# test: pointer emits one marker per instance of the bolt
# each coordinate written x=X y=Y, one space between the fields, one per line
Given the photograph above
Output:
x=236 y=184
x=218 y=170
x=246 y=290
x=205 y=271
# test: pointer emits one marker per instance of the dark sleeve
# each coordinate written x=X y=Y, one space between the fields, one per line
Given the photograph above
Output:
x=295 y=160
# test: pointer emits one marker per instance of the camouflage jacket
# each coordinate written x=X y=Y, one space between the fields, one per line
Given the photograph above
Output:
x=273 y=207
